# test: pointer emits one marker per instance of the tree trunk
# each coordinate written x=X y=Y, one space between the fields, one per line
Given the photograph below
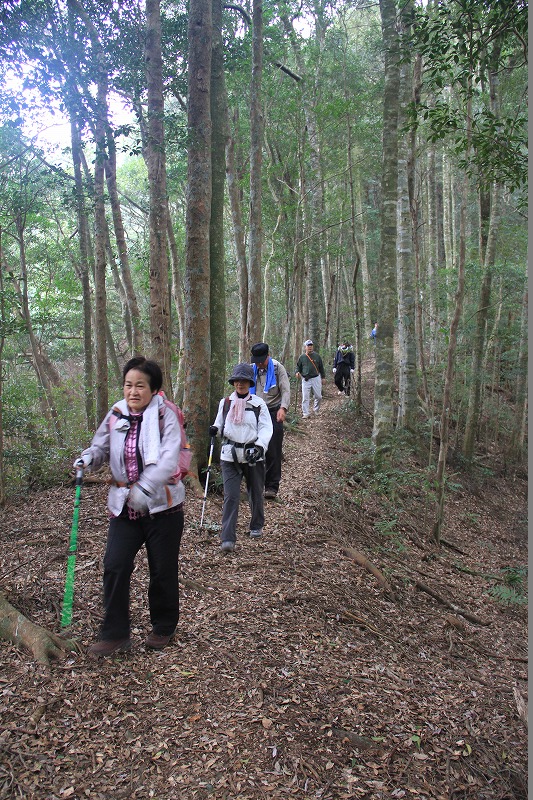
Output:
x=239 y=240
x=519 y=421
x=17 y=629
x=83 y=270
x=217 y=294
x=387 y=298
x=100 y=294
x=432 y=261
x=136 y=343
x=452 y=345
x=157 y=180
x=3 y=327
x=99 y=128
x=177 y=295
x=40 y=371
x=198 y=216
x=407 y=395
x=254 y=317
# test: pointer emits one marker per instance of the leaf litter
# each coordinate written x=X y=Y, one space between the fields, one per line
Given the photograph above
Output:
x=295 y=673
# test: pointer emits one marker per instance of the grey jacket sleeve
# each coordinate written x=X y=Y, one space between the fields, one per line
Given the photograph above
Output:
x=284 y=387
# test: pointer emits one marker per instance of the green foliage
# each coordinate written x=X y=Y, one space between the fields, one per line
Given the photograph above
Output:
x=513 y=588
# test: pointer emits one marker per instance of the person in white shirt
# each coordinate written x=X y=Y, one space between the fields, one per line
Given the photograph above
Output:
x=245 y=427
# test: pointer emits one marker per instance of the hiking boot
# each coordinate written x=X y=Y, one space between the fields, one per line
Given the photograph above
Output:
x=256 y=534
x=270 y=494
x=108 y=647
x=157 y=641
x=227 y=547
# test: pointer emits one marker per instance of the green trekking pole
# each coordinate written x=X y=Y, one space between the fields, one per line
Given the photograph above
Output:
x=207 y=478
x=68 y=596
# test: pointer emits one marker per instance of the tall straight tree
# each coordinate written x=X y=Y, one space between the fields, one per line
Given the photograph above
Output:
x=407 y=382
x=254 y=321
x=219 y=137
x=384 y=379
x=100 y=223
x=157 y=180
x=198 y=219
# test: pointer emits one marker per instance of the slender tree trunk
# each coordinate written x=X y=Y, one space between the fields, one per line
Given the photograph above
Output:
x=136 y=343
x=198 y=217
x=22 y=291
x=314 y=203
x=432 y=258
x=365 y=275
x=477 y=376
x=267 y=281
x=177 y=296
x=447 y=226
x=387 y=305
x=100 y=128
x=254 y=317
x=407 y=395
x=83 y=270
x=239 y=240
x=516 y=448
x=3 y=327
x=117 y=280
x=157 y=180
x=219 y=137
x=452 y=346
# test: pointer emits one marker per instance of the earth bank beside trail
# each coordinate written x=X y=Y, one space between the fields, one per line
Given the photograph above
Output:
x=296 y=671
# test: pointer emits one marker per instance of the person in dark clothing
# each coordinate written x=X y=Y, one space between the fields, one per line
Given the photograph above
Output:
x=343 y=367
x=272 y=385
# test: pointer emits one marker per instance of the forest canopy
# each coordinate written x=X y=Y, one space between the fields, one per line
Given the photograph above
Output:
x=261 y=172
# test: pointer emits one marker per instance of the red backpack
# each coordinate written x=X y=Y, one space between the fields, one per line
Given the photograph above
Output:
x=185 y=456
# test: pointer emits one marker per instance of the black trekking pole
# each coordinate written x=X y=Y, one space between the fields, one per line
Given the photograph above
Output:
x=207 y=478
x=68 y=596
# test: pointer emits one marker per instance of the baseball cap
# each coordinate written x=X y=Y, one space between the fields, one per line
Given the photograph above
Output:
x=259 y=352
x=308 y=342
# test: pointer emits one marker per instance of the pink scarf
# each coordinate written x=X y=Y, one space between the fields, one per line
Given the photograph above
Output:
x=238 y=406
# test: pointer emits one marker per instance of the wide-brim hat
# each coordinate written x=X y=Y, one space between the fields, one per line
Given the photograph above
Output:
x=242 y=372
x=259 y=352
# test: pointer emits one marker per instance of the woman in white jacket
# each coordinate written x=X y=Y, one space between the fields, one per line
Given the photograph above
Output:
x=244 y=424
x=140 y=439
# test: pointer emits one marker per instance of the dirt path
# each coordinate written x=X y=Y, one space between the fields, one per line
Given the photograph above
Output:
x=294 y=673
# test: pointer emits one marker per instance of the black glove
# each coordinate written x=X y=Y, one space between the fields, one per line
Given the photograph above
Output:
x=253 y=453
x=213 y=430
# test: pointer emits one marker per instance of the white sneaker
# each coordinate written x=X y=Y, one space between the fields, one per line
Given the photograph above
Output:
x=256 y=534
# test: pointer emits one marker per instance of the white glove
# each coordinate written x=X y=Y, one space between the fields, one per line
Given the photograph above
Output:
x=334 y=370
x=83 y=461
x=137 y=499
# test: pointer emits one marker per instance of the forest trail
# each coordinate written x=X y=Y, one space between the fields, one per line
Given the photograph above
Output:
x=294 y=673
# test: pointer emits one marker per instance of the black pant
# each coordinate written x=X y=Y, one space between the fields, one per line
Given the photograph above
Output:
x=273 y=454
x=342 y=377
x=161 y=535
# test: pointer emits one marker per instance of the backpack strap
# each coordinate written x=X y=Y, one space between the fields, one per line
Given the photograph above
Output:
x=225 y=409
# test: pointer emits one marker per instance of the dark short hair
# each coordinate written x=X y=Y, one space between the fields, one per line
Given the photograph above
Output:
x=150 y=368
